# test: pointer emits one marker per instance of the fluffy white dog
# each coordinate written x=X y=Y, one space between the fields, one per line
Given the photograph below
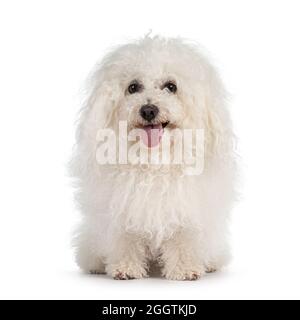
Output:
x=132 y=213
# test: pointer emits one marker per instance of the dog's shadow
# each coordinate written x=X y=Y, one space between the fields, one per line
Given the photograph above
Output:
x=155 y=273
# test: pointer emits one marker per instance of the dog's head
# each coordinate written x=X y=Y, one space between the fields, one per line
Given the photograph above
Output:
x=161 y=84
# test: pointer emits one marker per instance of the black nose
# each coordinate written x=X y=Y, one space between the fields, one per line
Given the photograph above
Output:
x=149 y=112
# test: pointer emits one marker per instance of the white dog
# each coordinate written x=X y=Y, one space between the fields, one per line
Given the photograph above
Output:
x=133 y=213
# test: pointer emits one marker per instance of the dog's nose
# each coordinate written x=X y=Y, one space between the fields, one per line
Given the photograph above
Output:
x=149 y=111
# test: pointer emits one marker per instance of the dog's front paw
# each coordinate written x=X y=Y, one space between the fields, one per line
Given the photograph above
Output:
x=184 y=273
x=215 y=265
x=119 y=275
x=211 y=269
x=127 y=272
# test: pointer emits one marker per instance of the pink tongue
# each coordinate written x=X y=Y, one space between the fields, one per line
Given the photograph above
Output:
x=153 y=135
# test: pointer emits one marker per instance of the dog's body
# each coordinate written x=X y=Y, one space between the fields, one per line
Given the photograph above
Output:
x=133 y=214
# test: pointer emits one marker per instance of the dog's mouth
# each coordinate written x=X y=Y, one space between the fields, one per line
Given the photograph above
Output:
x=153 y=133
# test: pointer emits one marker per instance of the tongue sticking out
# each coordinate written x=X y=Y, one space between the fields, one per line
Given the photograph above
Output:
x=153 y=135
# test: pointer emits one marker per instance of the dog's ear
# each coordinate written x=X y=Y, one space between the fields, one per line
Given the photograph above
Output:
x=101 y=104
x=218 y=133
x=98 y=112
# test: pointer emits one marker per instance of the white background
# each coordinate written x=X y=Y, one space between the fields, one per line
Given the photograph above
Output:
x=47 y=49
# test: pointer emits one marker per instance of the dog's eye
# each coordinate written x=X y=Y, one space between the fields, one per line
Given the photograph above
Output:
x=170 y=86
x=134 y=87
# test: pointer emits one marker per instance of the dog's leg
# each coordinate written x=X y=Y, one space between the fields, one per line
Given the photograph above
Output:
x=180 y=257
x=88 y=255
x=89 y=261
x=127 y=258
x=217 y=252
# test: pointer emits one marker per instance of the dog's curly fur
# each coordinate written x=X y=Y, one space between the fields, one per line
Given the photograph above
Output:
x=134 y=215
